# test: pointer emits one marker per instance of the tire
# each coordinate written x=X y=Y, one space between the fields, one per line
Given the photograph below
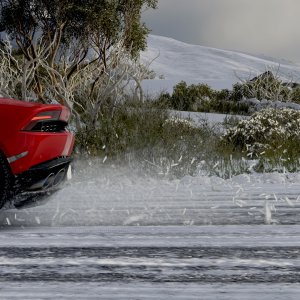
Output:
x=5 y=180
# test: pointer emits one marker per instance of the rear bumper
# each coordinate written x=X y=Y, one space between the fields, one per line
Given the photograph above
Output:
x=42 y=176
x=36 y=184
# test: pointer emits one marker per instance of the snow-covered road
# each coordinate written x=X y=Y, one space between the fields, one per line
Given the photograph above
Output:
x=174 y=262
x=121 y=196
x=116 y=234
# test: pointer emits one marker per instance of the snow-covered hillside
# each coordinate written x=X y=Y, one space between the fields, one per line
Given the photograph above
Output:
x=178 y=61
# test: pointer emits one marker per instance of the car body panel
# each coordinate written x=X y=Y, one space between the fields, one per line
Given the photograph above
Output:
x=41 y=147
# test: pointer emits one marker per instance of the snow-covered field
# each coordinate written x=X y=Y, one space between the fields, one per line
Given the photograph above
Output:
x=177 y=61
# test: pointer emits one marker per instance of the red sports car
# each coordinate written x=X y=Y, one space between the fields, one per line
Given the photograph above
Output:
x=35 y=150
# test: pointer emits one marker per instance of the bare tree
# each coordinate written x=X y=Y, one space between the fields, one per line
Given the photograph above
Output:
x=79 y=79
x=10 y=72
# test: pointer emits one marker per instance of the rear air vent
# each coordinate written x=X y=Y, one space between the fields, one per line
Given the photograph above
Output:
x=50 y=126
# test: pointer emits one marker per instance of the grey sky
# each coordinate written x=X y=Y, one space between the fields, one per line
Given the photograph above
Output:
x=270 y=27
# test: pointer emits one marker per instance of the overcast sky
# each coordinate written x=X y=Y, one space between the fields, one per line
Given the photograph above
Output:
x=269 y=27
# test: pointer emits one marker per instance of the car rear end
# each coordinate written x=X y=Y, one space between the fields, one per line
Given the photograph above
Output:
x=37 y=145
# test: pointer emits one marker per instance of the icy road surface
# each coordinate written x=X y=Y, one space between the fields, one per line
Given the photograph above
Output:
x=114 y=233
x=193 y=262
x=106 y=195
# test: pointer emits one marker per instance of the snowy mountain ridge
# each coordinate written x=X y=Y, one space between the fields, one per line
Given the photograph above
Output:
x=176 y=61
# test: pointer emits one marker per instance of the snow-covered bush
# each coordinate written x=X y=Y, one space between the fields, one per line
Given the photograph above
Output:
x=265 y=130
x=267 y=85
x=179 y=123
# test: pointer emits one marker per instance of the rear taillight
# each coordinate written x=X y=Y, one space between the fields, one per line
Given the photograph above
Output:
x=47 y=115
x=49 y=121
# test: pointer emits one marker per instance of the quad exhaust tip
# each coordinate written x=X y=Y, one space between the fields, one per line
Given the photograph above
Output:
x=52 y=180
x=48 y=182
x=59 y=177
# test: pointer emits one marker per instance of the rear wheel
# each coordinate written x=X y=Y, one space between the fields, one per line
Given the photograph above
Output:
x=5 y=180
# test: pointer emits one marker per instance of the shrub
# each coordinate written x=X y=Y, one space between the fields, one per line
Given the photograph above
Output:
x=189 y=98
x=200 y=98
x=296 y=95
x=128 y=128
x=271 y=135
x=237 y=93
x=150 y=139
x=265 y=86
x=222 y=95
x=163 y=101
x=223 y=106
x=181 y=148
